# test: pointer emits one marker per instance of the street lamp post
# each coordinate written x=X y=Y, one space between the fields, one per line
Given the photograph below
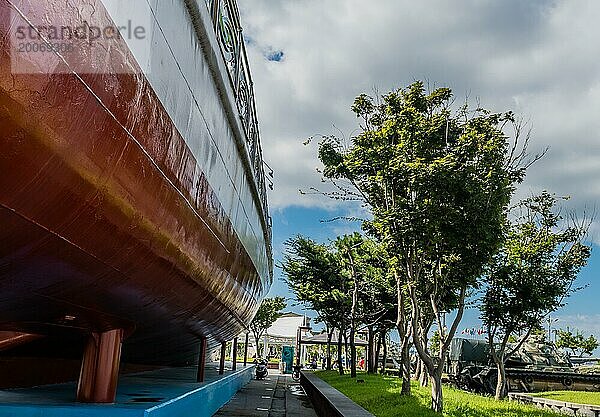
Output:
x=299 y=342
x=550 y=320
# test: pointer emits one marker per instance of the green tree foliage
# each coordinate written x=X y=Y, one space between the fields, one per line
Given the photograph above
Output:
x=365 y=266
x=435 y=342
x=587 y=346
x=378 y=301
x=576 y=343
x=531 y=276
x=438 y=185
x=538 y=332
x=312 y=271
x=346 y=282
x=269 y=311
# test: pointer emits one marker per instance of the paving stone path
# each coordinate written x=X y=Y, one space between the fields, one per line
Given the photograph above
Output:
x=275 y=396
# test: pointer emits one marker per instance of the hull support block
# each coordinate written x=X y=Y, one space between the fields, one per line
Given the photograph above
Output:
x=234 y=356
x=100 y=367
x=222 y=360
x=201 y=360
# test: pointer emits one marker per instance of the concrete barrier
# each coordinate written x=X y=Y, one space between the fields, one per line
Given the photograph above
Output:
x=327 y=401
x=573 y=409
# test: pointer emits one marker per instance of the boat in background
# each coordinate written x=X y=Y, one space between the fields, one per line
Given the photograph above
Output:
x=133 y=204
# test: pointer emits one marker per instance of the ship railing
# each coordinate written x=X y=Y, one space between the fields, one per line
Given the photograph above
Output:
x=226 y=24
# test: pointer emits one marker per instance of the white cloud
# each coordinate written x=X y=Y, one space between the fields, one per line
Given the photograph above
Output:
x=538 y=58
x=586 y=323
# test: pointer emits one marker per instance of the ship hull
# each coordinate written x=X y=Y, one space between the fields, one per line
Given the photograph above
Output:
x=108 y=219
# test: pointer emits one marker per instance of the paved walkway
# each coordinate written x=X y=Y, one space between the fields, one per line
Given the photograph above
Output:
x=275 y=396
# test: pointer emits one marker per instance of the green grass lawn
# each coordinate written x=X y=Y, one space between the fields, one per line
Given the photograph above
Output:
x=578 y=397
x=381 y=396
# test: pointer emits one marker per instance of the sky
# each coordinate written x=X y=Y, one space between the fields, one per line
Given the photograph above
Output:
x=311 y=58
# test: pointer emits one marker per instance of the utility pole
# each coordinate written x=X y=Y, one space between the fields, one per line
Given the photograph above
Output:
x=550 y=320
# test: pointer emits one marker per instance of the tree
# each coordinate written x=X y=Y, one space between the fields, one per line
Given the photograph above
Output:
x=576 y=343
x=268 y=312
x=378 y=302
x=531 y=276
x=587 y=346
x=365 y=265
x=313 y=273
x=345 y=283
x=347 y=247
x=438 y=185
x=434 y=348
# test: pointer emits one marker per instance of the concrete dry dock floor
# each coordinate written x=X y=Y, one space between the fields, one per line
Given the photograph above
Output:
x=276 y=396
x=170 y=392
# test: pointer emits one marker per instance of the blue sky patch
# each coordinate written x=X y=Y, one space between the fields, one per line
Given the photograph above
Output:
x=275 y=56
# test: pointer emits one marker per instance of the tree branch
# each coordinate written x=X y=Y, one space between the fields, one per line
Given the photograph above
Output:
x=519 y=344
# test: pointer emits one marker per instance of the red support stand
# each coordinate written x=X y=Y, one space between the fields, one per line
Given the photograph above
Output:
x=222 y=360
x=201 y=360
x=100 y=368
x=234 y=359
x=9 y=340
x=246 y=350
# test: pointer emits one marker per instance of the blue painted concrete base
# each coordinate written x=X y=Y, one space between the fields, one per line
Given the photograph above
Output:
x=162 y=393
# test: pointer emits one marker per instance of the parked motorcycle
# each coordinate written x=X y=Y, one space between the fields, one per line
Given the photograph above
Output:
x=296 y=372
x=261 y=370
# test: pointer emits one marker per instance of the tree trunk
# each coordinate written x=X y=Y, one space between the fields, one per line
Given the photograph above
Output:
x=352 y=353
x=405 y=368
x=329 y=335
x=370 y=341
x=353 y=322
x=437 y=399
x=346 y=349
x=403 y=326
x=257 y=341
x=424 y=380
x=377 y=352
x=501 y=386
x=384 y=343
x=499 y=355
x=435 y=369
x=419 y=369
x=339 y=354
